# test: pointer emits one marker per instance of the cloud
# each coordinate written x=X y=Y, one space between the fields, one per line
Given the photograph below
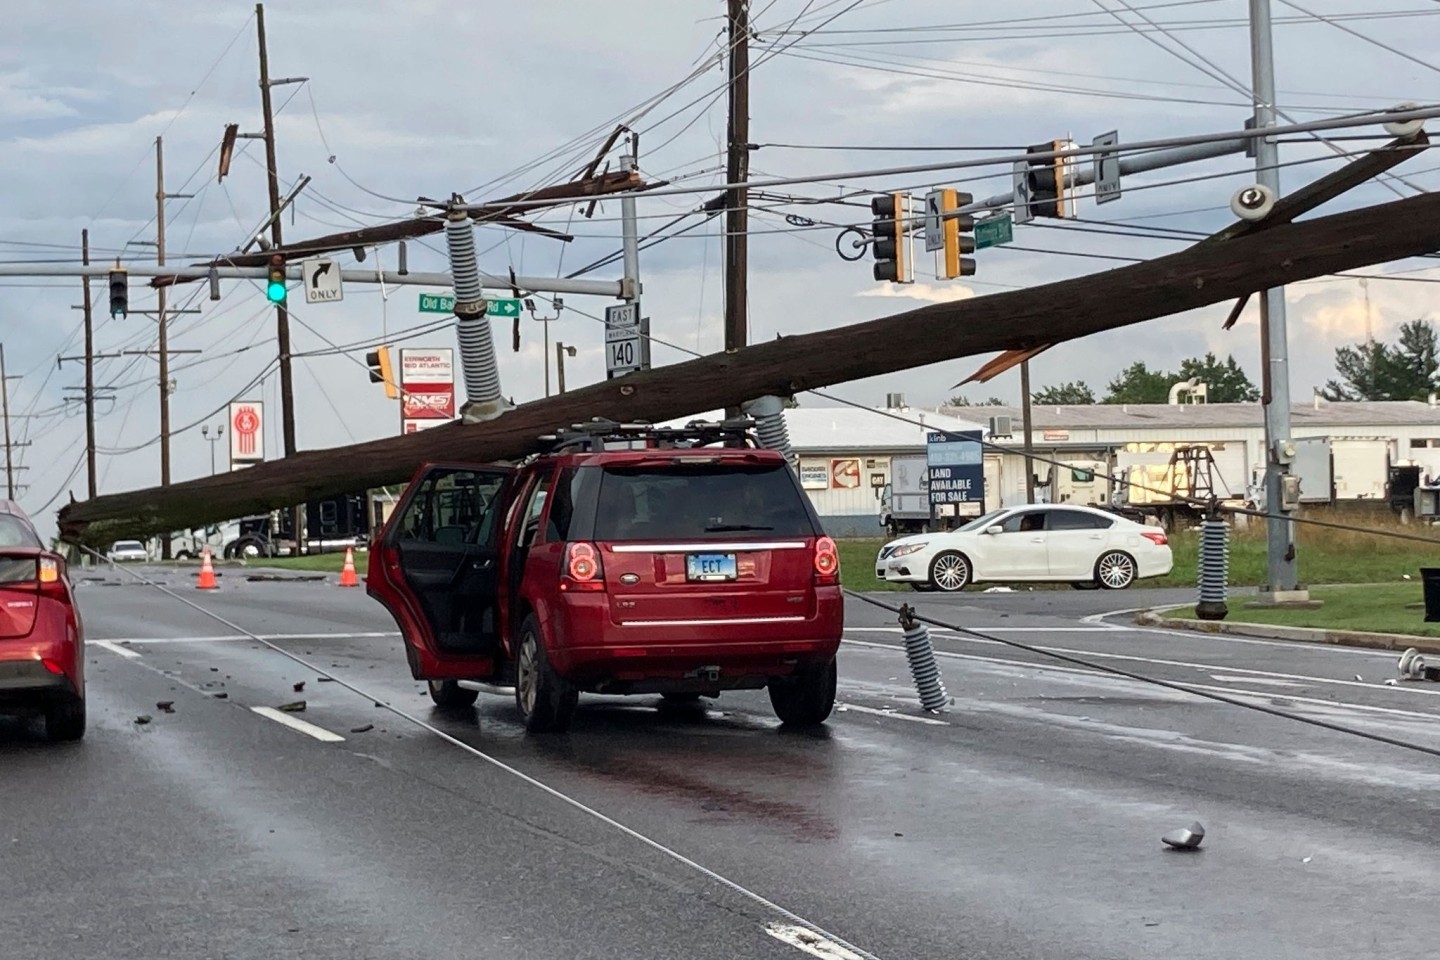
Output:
x=924 y=292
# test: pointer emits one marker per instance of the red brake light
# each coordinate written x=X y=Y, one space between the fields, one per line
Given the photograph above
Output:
x=1156 y=537
x=53 y=666
x=582 y=568
x=827 y=562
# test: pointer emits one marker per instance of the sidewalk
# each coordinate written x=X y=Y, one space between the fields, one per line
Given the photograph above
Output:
x=1346 y=638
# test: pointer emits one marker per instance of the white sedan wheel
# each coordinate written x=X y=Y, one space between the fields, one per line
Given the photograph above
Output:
x=950 y=572
x=1115 y=570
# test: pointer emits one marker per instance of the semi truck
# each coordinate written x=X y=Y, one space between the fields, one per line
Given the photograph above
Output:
x=905 y=500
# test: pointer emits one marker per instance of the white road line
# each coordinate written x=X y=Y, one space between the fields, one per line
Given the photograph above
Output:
x=809 y=942
x=1228 y=691
x=232 y=638
x=309 y=729
x=113 y=647
x=1307 y=645
x=1266 y=681
x=891 y=713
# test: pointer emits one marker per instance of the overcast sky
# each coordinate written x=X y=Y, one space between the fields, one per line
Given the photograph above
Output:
x=430 y=98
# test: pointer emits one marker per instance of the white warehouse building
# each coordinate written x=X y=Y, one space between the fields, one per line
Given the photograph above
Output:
x=845 y=452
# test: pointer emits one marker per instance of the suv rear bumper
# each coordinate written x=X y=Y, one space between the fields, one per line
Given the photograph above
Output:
x=588 y=648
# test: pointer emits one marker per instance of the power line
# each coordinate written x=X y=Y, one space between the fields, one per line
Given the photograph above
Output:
x=1334 y=21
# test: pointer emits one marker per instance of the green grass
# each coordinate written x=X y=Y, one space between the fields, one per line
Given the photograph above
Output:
x=1372 y=608
x=324 y=562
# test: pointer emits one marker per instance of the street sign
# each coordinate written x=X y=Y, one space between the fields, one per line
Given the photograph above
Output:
x=934 y=225
x=427 y=387
x=1020 y=181
x=956 y=471
x=321 y=279
x=993 y=231
x=1107 y=168
x=502 y=307
x=436 y=303
x=622 y=339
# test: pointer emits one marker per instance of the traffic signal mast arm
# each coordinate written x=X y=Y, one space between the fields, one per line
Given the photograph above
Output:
x=1195 y=277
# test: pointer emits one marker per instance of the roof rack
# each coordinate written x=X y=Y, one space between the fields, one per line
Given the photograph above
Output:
x=601 y=434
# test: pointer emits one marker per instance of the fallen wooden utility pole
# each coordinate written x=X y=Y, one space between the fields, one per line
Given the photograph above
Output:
x=1197 y=277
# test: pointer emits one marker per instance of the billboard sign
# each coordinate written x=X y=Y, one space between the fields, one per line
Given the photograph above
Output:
x=955 y=463
x=427 y=387
x=247 y=431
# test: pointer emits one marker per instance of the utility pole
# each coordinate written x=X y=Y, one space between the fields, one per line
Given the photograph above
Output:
x=90 y=474
x=737 y=171
x=5 y=407
x=1025 y=425
x=630 y=244
x=282 y=316
x=561 y=352
x=1282 y=579
x=164 y=342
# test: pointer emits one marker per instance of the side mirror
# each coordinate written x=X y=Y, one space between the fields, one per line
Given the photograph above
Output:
x=997 y=529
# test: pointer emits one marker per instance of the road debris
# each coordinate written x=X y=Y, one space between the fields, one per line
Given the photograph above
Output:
x=143 y=719
x=366 y=728
x=297 y=706
x=165 y=706
x=1187 y=839
x=299 y=686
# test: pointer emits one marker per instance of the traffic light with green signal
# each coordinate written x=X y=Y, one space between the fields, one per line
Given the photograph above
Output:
x=119 y=293
x=275 y=284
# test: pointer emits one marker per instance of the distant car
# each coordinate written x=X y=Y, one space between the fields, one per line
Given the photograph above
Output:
x=42 y=662
x=1082 y=546
x=651 y=562
x=128 y=550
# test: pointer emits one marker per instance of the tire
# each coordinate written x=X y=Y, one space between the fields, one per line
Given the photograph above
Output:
x=950 y=572
x=1115 y=570
x=449 y=694
x=545 y=701
x=65 y=720
x=806 y=699
x=184 y=555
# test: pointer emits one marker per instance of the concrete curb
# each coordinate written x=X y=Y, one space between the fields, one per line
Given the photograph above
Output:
x=1342 y=638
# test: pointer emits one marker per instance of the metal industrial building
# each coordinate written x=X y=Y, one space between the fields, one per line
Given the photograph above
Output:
x=845 y=451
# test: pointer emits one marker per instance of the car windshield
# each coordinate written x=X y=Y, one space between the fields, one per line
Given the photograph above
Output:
x=127 y=546
x=699 y=502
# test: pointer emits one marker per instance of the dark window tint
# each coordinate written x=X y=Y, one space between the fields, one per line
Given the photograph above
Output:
x=15 y=532
x=699 y=502
x=562 y=506
x=1077 y=520
x=16 y=570
x=1025 y=522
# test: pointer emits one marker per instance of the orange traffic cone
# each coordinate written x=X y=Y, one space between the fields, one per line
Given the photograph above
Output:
x=347 y=575
x=207 y=572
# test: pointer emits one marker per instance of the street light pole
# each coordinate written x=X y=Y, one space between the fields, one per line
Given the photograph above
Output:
x=219 y=432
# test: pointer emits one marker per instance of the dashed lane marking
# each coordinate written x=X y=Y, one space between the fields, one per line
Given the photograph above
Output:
x=115 y=648
x=309 y=729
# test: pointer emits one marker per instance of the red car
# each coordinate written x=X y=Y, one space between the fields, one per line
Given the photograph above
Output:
x=42 y=657
x=622 y=560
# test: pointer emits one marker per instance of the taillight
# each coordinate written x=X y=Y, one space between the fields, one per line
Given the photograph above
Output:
x=1155 y=537
x=582 y=569
x=827 y=562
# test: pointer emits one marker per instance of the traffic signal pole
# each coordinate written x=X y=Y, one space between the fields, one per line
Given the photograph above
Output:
x=164 y=340
x=1282 y=577
x=90 y=475
x=737 y=171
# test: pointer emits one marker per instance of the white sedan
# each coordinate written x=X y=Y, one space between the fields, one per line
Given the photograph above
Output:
x=1050 y=543
x=128 y=550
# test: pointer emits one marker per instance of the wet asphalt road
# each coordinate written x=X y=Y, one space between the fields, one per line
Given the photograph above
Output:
x=1024 y=822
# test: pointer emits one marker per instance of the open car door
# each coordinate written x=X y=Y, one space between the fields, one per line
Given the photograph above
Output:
x=436 y=569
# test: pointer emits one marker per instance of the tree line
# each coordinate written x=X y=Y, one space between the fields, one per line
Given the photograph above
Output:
x=1408 y=369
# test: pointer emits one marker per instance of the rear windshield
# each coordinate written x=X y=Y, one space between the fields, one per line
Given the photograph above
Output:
x=128 y=545
x=700 y=502
x=15 y=532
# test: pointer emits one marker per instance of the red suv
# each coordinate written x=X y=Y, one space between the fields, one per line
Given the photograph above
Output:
x=42 y=661
x=624 y=559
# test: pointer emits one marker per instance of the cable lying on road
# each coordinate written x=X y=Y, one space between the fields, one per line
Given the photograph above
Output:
x=630 y=832
x=1168 y=684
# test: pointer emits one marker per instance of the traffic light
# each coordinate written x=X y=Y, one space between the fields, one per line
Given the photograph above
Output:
x=889 y=245
x=275 y=285
x=1046 y=181
x=381 y=371
x=119 y=293
x=957 y=228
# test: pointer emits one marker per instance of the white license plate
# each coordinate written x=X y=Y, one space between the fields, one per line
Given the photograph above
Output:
x=710 y=566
